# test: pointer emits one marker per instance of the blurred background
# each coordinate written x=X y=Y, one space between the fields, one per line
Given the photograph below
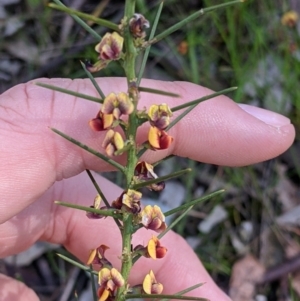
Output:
x=248 y=238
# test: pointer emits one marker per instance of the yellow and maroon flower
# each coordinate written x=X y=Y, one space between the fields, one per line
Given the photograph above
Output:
x=152 y=218
x=109 y=280
x=102 y=122
x=97 y=257
x=144 y=172
x=117 y=105
x=131 y=199
x=155 y=249
x=99 y=65
x=150 y=285
x=159 y=139
x=290 y=18
x=159 y=116
x=112 y=142
x=96 y=205
x=110 y=47
x=137 y=25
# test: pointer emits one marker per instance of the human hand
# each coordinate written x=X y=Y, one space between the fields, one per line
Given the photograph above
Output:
x=38 y=167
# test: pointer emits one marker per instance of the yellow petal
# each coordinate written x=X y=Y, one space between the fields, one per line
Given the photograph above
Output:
x=103 y=275
x=151 y=248
x=118 y=141
x=153 y=137
x=91 y=256
x=104 y=295
x=147 y=283
x=117 y=277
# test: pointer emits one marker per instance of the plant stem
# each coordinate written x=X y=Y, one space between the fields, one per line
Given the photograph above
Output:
x=131 y=53
x=126 y=253
x=129 y=68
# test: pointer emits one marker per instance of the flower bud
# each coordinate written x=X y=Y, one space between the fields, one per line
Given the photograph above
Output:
x=137 y=25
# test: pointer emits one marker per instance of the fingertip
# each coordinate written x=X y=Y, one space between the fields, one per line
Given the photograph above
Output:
x=266 y=116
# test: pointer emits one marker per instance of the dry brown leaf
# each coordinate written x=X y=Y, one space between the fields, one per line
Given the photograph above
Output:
x=246 y=273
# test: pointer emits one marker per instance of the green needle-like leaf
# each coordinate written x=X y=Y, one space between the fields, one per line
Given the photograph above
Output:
x=70 y=92
x=152 y=33
x=160 y=92
x=90 y=150
x=187 y=20
x=98 y=188
x=101 y=195
x=193 y=104
x=107 y=212
x=174 y=223
x=77 y=264
x=88 y=17
x=160 y=179
x=198 y=100
x=91 y=77
x=193 y=203
x=80 y=22
x=94 y=289
x=187 y=290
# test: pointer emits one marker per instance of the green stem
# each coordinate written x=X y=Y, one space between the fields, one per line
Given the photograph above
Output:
x=131 y=52
x=126 y=253
x=129 y=68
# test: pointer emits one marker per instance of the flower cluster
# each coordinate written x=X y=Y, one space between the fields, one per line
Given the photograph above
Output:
x=114 y=117
x=110 y=279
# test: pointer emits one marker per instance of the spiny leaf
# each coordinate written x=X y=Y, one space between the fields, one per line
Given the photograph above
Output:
x=70 y=92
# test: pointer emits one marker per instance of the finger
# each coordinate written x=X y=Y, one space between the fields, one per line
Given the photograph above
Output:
x=177 y=271
x=218 y=131
x=11 y=289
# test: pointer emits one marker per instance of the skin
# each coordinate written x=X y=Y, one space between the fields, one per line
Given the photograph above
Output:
x=38 y=167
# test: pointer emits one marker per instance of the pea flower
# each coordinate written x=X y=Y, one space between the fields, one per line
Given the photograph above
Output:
x=97 y=257
x=102 y=122
x=137 y=25
x=96 y=205
x=110 y=47
x=152 y=218
x=290 y=18
x=112 y=142
x=159 y=115
x=117 y=105
x=150 y=285
x=159 y=139
x=109 y=280
x=155 y=249
x=144 y=172
x=132 y=199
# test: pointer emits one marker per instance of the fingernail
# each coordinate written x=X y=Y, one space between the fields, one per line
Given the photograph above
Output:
x=266 y=116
